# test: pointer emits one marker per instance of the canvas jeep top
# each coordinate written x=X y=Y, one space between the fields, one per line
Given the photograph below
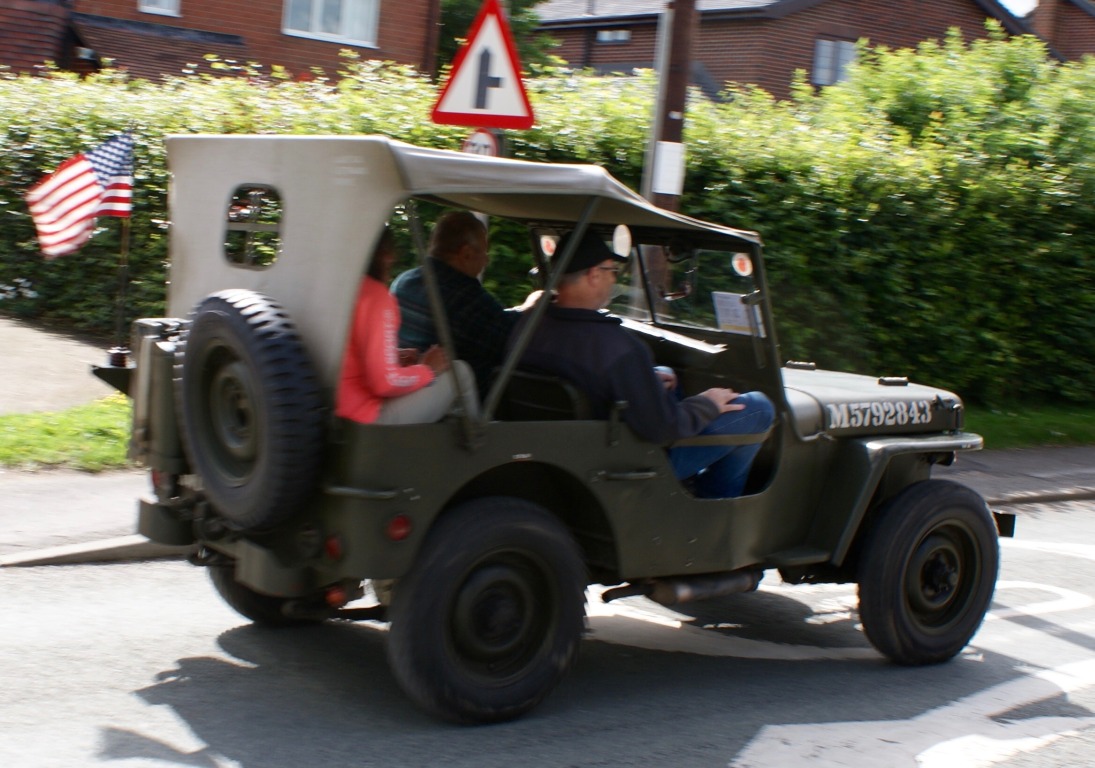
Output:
x=476 y=537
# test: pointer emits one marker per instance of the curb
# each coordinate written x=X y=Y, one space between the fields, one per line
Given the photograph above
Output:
x=120 y=549
x=1042 y=497
x=136 y=547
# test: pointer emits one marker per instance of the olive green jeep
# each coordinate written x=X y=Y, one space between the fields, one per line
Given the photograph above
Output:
x=475 y=538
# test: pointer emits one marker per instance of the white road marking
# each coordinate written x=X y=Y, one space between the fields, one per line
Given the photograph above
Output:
x=1086 y=551
x=967 y=733
x=1067 y=600
x=627 y=623
x=962 y=733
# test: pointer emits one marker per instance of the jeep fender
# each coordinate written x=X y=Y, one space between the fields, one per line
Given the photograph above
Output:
x=874 y=469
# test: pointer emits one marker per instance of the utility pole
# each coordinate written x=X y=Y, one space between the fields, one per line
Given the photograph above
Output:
x=665 y=163
x=590 y=36
x=433 y=35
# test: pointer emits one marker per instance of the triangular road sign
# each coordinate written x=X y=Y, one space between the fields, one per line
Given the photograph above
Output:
x=484 y=87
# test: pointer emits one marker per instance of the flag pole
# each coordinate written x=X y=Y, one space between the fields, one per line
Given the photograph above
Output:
x=120 y=351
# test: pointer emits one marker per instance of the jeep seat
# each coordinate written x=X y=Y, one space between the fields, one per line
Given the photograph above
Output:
x=530 y=396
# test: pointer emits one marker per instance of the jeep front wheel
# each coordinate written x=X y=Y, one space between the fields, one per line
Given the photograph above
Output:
x=489 y=618
x=927 y=572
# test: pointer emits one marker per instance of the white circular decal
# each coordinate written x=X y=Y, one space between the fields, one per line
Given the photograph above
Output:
x=621 y=240
x=742 y=264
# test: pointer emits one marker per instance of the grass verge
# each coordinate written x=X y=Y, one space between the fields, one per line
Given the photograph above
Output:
x=1034 y=426
x=90 y=437
x=93 y=437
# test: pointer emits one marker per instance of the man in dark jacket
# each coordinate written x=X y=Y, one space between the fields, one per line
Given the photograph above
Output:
x=479 y=324
x=580 y=342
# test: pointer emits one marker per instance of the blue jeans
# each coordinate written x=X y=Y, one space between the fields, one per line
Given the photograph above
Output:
x=721 y=470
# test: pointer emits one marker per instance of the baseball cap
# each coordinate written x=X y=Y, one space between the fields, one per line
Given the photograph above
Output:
x=591 y=251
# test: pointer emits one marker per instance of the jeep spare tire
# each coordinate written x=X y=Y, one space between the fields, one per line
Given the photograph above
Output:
x=251 y=411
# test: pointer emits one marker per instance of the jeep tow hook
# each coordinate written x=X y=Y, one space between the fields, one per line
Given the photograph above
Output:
x=687 y=589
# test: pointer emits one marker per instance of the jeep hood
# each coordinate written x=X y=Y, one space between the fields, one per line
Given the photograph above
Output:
x=853 y=404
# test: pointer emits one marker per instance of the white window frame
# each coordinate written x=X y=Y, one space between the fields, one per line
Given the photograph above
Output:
x=369 y=11
x=160 y=7
x=831 y=60
x=613 y=36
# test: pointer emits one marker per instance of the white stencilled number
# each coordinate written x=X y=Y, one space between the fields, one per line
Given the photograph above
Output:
x=902 y=415
x=920 y=412
x=877 y=415
x=889 y=413
x=857 y=415
x=890 y=409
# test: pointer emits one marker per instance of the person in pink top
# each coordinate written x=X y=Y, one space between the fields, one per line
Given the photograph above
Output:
x=380 y=383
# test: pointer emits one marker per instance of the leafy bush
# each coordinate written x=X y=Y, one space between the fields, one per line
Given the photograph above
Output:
x=926 y=217
x=931 y=216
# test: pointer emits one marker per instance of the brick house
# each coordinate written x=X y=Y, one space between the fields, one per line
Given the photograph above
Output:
x=152 y=38
x=763 y=42
x=32 y=31
x=1068 y=26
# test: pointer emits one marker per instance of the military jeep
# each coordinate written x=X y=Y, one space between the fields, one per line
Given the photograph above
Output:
x=477 y=538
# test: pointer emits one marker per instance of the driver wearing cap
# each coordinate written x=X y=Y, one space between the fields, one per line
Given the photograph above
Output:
x=578 y=341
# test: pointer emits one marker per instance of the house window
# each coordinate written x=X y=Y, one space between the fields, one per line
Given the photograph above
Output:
x=341 y=21
x=831 y=60
x=613 y=35
x=163 y=7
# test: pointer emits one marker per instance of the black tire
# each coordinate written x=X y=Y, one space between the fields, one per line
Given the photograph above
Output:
x=250 y=407
x=265 y=610
x=927 y=572
x=489 y=619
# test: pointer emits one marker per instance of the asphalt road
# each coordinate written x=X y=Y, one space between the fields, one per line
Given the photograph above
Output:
x=47 y=371
x=141 y=664
x=53 y=508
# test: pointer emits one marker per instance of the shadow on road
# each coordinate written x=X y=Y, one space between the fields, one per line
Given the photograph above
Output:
x=323 y=695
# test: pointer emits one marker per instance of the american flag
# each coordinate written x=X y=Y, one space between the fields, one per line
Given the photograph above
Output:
x=65 y=203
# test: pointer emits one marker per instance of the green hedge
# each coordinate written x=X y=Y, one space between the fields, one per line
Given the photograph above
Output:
x=933 y=216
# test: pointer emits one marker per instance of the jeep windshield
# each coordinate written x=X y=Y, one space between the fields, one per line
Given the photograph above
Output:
x=678 y=281
x=701 y=288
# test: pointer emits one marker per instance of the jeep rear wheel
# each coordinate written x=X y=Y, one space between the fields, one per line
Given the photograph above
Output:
x=250 y=408
x=928 y=573
x=489 y=619
x=266 y=610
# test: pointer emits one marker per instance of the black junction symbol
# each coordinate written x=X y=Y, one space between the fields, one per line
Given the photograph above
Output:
x=486 y=80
